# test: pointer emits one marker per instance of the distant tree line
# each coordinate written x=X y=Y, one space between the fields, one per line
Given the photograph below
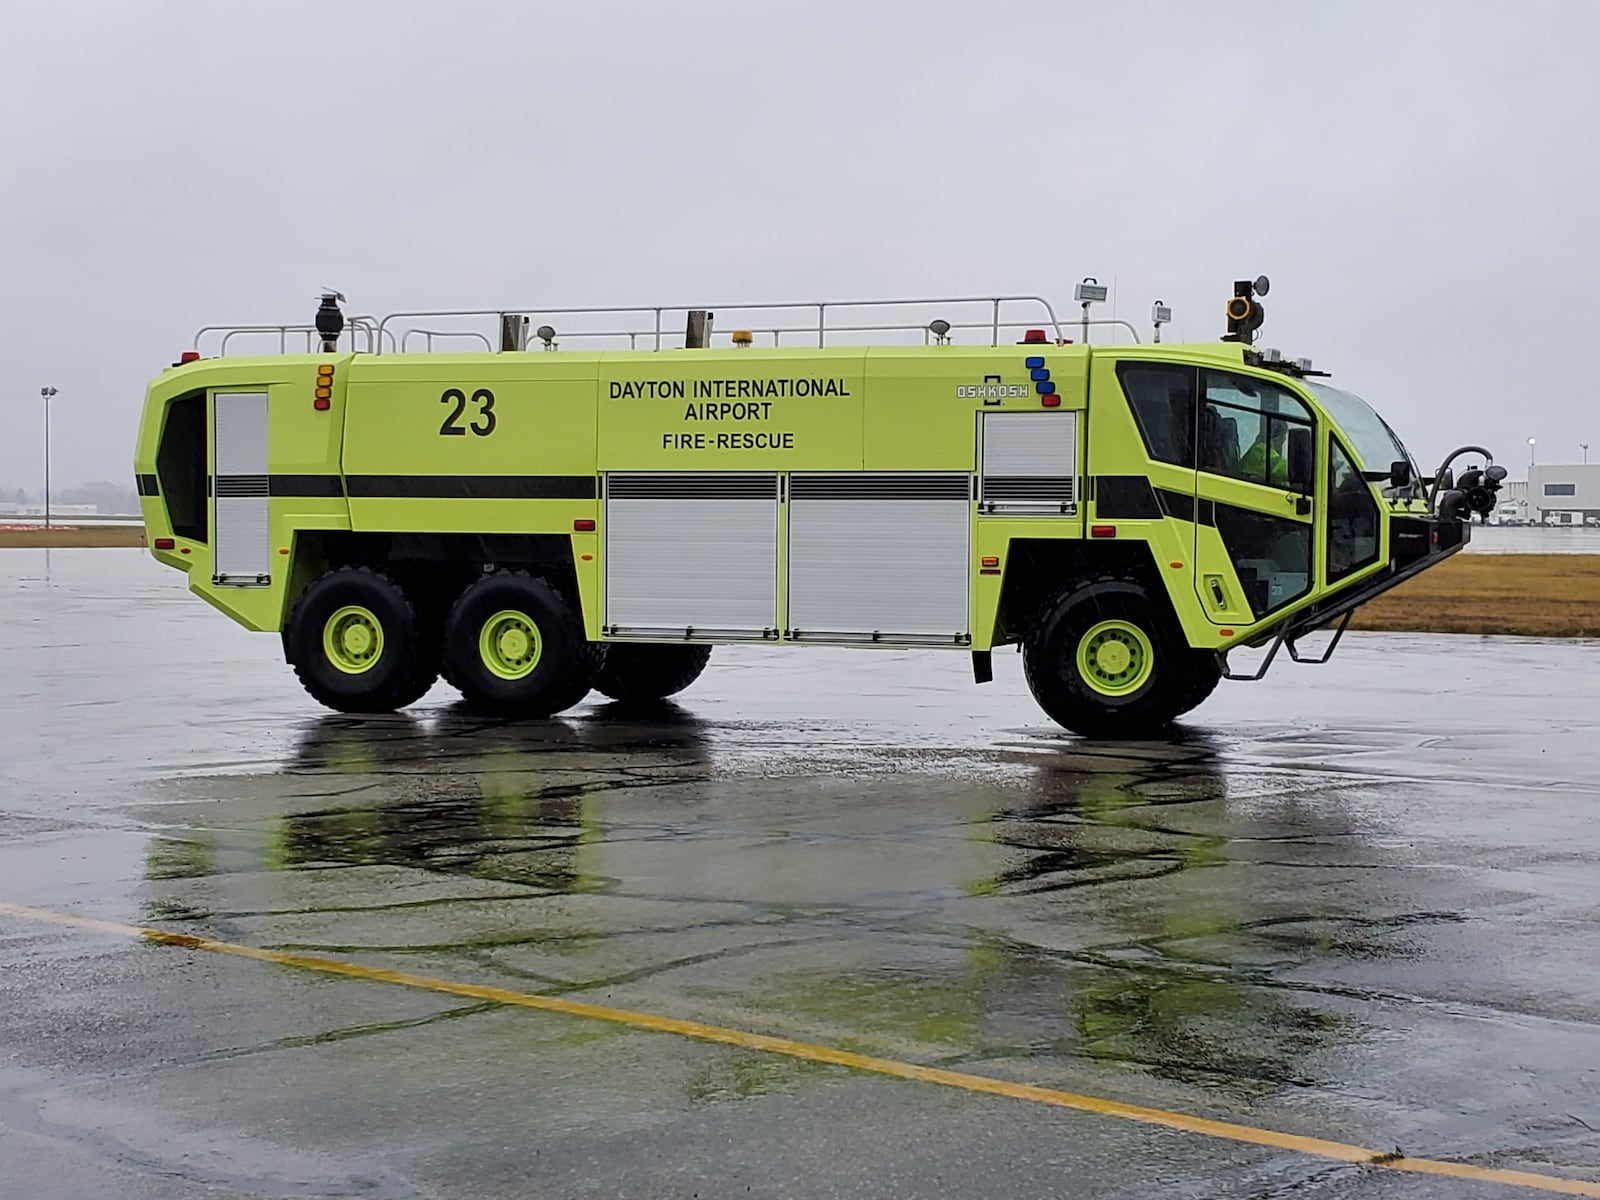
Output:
x=107 y=497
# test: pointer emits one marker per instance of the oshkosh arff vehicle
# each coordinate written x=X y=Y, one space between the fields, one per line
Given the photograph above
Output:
x=599 y=512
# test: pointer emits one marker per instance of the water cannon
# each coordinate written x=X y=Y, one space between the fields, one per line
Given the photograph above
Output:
x=1475 y=490
x=330 y=320
x=1245 y=312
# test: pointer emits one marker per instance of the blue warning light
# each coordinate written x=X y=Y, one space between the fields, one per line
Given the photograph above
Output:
x=1033 y=361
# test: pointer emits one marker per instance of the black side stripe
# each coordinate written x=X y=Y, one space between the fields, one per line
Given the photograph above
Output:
x=1176 y=504
x=1129 y=497
x=471 y=487
x=147 y=485
x=306 y=485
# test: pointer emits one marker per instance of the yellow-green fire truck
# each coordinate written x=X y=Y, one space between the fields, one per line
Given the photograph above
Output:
x=534 y=524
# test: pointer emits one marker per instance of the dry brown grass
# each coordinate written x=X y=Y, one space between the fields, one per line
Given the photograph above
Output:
x=1539 y=595
x=88 y=536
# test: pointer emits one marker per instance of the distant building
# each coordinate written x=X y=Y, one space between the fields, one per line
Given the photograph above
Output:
x=1565 y=495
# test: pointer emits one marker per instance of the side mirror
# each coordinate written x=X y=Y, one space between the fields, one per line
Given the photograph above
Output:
x=1400 y=473
x=1302 y=460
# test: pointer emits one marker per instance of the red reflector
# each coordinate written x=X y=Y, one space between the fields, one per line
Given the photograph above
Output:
x=583 y=526
x=188 y=356
x=1225 y=632
x=165 y=544
x=1034 y=337
x=989 y=571
x=1050 y=401
x=1102 y=531
x=991 y=560
x=322 y=404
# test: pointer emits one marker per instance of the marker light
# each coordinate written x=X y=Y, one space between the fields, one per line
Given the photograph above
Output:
x=743 y=337
x=583 y=525
x=165 y=544
x=1102 y=531
x=322 y=404
x=1050 y=401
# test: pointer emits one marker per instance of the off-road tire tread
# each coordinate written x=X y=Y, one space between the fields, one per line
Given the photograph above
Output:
x=417 y=679
x=1148 y=717
x=588 y=657
x=639 y=674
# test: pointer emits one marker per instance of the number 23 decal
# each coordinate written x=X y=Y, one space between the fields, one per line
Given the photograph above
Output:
x=485 y=423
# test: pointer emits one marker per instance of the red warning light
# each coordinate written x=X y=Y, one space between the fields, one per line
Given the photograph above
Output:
x=188 y=356
x=1034 y=337
x=165 y=544
x=1053 y=400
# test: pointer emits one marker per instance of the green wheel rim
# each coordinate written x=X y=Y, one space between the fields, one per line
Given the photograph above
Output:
x=509 y=644
x=352 y=639
x=1115 y=658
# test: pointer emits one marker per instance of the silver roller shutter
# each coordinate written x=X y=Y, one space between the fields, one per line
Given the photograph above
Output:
x=1030 y=463
x=880 y=557
x=241 y=539
x=692 y=556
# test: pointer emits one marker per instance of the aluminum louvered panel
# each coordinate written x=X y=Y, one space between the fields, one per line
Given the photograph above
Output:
x=692 y=556
x=1030 y=463
x=241 y=538
x=881 y=557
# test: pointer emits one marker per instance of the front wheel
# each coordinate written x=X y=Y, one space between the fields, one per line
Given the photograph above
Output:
x=1104 y=660
x=515 y=648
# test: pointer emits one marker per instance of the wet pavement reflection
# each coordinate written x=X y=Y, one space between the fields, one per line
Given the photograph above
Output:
x=1356 y=912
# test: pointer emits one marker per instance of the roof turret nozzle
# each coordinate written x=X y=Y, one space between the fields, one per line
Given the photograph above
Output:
x=330 y=321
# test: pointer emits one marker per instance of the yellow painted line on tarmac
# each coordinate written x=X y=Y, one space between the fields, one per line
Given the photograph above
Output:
x=983 y=1084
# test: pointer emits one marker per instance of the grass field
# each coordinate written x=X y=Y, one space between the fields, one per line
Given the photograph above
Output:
x=87 y=536
x=1538 y=595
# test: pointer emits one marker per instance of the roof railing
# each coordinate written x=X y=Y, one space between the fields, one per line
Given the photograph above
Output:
x=662 y=326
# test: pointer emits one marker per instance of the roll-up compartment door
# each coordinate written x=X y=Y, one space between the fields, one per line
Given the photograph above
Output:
x=241 y=539
x=880 y=557
x=1030 y=463
x=692 y=556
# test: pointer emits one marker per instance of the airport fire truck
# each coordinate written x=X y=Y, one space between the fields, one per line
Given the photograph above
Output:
x=534 y=518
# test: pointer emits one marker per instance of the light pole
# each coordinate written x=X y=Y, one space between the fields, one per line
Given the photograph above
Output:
x=1584 y=446
x=47 y=392
x=1530 y=450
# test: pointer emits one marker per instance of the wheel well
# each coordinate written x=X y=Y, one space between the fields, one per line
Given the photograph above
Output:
x=433 y=568
x=1038 y=568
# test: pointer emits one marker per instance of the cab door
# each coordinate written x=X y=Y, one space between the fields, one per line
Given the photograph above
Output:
x=1254 y=509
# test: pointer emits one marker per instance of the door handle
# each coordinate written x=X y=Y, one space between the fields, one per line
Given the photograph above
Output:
x=1302 y=504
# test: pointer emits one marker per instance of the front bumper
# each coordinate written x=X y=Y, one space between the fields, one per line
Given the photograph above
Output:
x=1415 y=544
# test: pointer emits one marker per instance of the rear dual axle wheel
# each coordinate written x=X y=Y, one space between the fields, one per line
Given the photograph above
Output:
x=510 y=643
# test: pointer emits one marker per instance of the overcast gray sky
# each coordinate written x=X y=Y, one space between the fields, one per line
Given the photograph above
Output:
x=1417 y=179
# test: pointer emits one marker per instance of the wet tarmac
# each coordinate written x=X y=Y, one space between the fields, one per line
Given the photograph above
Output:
x=1356 y=902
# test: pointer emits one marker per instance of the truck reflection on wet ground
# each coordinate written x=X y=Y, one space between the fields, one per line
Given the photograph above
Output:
x=1000 y=962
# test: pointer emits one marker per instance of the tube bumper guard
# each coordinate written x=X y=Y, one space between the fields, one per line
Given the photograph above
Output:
x=1416 y=543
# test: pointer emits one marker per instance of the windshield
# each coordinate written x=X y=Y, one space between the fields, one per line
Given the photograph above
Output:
x=1373 y=441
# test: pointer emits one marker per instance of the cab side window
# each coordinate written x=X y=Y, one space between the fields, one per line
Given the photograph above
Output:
x=1352 y=517
x=1161 y=396
x=1244 y=428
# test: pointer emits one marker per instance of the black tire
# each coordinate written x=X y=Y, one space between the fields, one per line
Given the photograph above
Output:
x=559 y=665
x=1138 y=702
x=1202 y=673
x=339 y=613
x=638 y=674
